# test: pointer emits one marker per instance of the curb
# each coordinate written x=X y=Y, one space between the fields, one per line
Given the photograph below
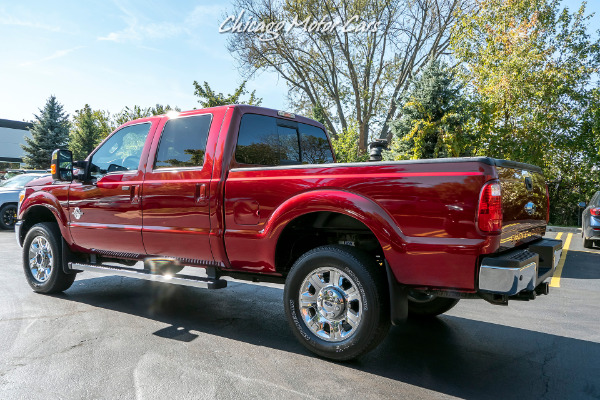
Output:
x=562 y=229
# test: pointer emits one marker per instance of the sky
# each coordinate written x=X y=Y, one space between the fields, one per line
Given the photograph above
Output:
x=112 y=54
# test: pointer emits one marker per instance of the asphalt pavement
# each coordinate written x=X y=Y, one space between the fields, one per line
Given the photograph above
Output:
x=120 y=338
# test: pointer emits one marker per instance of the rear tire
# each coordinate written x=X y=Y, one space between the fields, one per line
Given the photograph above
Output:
x=8 y=216
x=42 y=259
x=337 y=303
x=424 y=305
x=587 y=243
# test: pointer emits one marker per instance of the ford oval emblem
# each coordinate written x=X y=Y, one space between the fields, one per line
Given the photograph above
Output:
x=530 y=208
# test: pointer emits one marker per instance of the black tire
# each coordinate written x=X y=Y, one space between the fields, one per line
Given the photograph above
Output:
x=362 y=279
x=8 y=216
x=422 y=305
x=47 y=248
x=587 y=243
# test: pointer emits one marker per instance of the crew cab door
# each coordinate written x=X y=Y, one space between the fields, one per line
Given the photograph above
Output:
x=176 y=193
x=105 y=212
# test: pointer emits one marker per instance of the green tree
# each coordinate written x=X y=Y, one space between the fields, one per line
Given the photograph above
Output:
x=433 y=115
x=50 y=131
x=209 y=98
x=129 y=114
x=529 y=66
x=346 y=147
x=86 y=132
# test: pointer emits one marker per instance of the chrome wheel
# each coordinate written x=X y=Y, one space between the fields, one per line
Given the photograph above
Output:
x=330 y=304
x=41 y=260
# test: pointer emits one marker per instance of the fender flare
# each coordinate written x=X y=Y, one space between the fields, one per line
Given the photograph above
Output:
x=363 y=209
x=51 y=203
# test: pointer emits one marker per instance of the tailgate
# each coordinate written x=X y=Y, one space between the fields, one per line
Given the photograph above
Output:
x=524 y=203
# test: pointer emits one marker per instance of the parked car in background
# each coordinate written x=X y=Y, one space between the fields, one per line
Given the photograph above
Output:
x=14 y=172
x=9 y=197
x=590 y=222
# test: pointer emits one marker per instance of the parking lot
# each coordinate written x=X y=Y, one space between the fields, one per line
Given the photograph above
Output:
x=111 y=337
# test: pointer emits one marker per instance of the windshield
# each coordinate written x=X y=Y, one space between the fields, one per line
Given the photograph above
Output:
x=19 y=181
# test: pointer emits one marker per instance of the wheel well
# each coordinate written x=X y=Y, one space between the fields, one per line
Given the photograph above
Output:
x=33 y=216
x=321 y=228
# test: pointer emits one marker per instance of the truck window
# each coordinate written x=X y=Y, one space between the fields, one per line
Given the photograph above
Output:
x=315 y=146
x=121 y=152
x=183 y=142
x=264 y=141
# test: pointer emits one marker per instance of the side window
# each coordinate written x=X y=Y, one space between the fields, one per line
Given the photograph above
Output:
x=258 y=141
x=264 y=141
x=183 y=142
x=121 y=152
x=315 y=146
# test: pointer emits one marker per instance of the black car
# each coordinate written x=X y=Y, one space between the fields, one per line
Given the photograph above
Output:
x=590 y=222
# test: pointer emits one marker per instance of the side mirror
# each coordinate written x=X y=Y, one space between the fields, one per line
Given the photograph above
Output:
x=62 y=165
x=582 y=204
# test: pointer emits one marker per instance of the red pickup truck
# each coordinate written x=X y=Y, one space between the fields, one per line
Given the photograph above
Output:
x=252 y=193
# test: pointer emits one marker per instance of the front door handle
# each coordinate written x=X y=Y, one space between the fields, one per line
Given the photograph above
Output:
x=134 y=193
x=200 y=194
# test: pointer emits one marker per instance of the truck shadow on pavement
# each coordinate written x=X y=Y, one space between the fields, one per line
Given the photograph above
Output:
x=452 y=355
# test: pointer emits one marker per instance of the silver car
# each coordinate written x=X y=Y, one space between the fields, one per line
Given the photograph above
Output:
x=9 y=197
x=590 y=222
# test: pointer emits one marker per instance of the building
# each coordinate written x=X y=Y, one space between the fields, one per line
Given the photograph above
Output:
x=12 y=136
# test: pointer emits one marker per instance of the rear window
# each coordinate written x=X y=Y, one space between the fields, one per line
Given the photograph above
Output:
x=272 y=141
x=183 y=142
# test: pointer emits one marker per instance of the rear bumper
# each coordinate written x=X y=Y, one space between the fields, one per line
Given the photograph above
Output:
x=520 y=270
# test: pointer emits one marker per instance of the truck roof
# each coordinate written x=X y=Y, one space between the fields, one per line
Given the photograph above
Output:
x=244 y=109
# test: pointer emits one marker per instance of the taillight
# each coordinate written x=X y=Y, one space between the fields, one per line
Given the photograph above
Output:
x=595 y=212
x=547 y=205
x=490 y=208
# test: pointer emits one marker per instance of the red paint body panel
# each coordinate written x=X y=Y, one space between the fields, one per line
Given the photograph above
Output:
x=424 y=214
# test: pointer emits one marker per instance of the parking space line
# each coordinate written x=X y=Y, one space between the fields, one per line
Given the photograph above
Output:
x=558 y=235
x=555 y=282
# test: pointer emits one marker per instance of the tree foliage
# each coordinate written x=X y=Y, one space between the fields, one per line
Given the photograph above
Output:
x=50 y=131
x=353 y=74
x=529 y=66
x=433 y=114
x=345 y=145
x=86 y=132
x=130 y=113
x=209 y=98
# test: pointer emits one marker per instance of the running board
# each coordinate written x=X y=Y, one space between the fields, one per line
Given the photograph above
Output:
x=177 y=279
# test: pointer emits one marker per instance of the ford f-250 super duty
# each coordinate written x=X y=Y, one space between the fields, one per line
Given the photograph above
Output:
x=253 y=193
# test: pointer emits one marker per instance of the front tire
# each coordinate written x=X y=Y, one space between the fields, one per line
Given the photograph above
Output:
x=336 y=302
x=423 y=305
x=42 y=260
x=8 y=216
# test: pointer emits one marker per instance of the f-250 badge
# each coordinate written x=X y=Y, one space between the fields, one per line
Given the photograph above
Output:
x=77 y=213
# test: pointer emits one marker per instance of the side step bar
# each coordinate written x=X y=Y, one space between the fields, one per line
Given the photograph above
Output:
x=177 y=279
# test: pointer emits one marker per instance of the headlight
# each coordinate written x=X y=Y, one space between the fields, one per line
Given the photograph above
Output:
x=21 y=196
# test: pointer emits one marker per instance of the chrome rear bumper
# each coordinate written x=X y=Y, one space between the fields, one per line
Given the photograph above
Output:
x=520 y=270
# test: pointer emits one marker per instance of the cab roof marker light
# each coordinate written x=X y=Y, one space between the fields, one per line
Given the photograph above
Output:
x=286 y=114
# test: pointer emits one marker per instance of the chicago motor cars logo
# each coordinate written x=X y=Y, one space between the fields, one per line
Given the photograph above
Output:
x=272 y=30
